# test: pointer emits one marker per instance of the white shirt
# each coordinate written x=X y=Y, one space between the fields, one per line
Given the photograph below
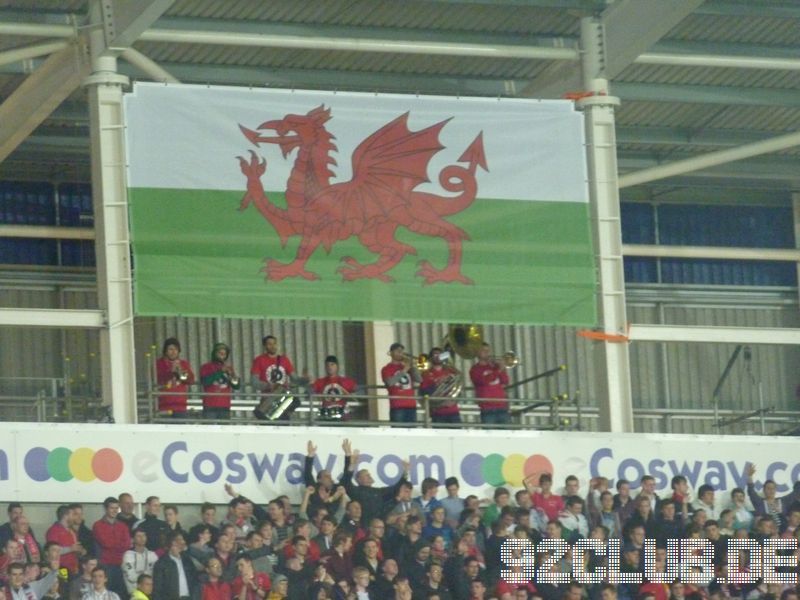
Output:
x=183 y=585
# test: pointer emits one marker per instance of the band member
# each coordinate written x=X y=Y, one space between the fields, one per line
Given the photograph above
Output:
x=399 y=377
x=218 y=379
x=334 y=388
x=442 y=411
x=174 y=375
x=271 y=373
x=490 y=378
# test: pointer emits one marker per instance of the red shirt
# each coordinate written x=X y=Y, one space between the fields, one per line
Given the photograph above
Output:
x=220 y=386
x=430 y=380
x=219 y=590
x=261 y=580
x=551 y=506
x=333 y=388
x=65 y=538
x=401 y=395
x=113 y=540
x=489 y=381
x=272 y=369
x=165 y=377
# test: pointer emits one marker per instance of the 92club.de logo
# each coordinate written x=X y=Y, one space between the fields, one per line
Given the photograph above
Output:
x=82 y=464
x=496 y=470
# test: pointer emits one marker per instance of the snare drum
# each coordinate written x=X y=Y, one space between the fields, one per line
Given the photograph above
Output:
x=331 y=413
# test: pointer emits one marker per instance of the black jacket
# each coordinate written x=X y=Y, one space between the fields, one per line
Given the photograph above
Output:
x=373 y=500
x=165 y=578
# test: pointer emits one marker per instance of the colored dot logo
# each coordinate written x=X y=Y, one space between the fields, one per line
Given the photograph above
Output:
x=497 y=470
x=83 y=464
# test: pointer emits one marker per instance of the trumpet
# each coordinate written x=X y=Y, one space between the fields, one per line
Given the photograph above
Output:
x=509 y=359
x=421 y=361
x=180 y=375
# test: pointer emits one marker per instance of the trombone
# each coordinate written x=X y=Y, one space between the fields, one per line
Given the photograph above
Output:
x=509 y=359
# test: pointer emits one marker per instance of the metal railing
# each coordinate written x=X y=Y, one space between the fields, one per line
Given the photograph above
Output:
x=526 y=413
x=44 y=400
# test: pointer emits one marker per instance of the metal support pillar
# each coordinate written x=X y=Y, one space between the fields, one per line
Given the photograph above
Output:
x=109 y=191
x=378 y=336
x=796 y=211
x=614 y=384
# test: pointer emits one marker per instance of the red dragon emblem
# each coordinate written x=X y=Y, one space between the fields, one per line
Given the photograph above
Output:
x=387 y=167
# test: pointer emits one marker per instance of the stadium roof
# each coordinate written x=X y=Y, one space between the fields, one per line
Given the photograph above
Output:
x=693 y=77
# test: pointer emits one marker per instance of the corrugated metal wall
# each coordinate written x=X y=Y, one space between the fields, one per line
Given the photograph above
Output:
x=307 y=343
x=32 y=352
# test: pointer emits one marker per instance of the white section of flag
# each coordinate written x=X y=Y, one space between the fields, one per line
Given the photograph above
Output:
x=188 y=137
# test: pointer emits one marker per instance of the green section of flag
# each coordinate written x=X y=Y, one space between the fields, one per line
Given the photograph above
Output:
x=196 y=253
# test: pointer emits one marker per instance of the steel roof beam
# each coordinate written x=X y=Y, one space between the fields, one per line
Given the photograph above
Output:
x=775 y=167
x=333 y=38
x=33 y=101
x=124 y=21
x=629 y=28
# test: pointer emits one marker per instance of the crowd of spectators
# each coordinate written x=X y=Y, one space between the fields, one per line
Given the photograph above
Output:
x=349 y=539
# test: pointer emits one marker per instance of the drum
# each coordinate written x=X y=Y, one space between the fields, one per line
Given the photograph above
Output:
x=331 y=413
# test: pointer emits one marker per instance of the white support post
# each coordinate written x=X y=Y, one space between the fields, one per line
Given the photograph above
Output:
x=614 y=384
x=378 y=336
x=109 y=191
x=796 y=212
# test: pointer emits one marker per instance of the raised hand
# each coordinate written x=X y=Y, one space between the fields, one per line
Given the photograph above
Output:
x=347 y=447
x=230 y=490
x=751 y=470
x=311 y=449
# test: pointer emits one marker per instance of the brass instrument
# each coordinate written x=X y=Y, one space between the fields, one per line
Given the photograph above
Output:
x=450 y=386
x=421 y=361
x=466 y=341
x=509 y=359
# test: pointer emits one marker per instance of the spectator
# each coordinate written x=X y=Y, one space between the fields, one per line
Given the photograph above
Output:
x=126 y=514
x=32 y=590
x=113 y=540
x=249 y=584
x=372 y=499
x=144 y=588
x=83 y=583
x=61 y=532
x=153 y=526
x=214 y=588
x=99 y=581
x=138 y=561
x=453 y=504
x=174 y=575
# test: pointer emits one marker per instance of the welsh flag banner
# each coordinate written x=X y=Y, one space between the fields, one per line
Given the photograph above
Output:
x=308 y=204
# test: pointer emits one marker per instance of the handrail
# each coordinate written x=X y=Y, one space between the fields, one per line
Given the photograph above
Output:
x=558 y=412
